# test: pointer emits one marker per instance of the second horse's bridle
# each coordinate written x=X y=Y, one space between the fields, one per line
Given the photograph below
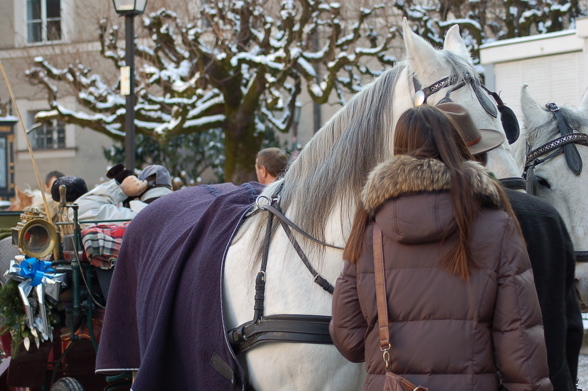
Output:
x=565 y=144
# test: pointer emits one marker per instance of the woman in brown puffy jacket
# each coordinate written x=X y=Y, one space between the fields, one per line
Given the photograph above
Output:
x=462 y=306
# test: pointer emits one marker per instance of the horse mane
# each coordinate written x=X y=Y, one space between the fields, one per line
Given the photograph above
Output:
x=543 y=134
x=332 y=168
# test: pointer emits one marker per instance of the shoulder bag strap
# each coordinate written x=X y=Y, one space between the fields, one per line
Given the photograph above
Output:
x=381 y=294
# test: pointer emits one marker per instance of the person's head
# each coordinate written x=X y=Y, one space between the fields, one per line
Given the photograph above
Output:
x=478 y=141
x=74 y=188
x=159 y=182
x=50 y=178
x=427 y=132
x=270 y=164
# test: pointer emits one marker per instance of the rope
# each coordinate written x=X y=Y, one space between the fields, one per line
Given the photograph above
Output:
x=24 y=130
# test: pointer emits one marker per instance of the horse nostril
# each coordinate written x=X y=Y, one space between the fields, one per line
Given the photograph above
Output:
x=543 y=182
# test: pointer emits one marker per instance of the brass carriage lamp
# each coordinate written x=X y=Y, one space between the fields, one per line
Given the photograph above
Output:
x=129 y=9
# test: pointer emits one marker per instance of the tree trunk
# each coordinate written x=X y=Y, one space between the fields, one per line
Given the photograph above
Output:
x=241 y=147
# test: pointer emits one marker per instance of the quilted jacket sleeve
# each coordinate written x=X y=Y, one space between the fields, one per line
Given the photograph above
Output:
x=348 y=325
x=517 y=329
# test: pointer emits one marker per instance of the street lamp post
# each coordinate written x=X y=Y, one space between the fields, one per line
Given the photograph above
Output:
x=129 y=9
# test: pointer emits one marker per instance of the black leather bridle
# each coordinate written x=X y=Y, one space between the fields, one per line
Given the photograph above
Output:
x=291 y=328
x=565 y=144
x=508 y=118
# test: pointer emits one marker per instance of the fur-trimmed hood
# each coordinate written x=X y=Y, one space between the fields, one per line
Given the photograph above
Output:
x=405 y=174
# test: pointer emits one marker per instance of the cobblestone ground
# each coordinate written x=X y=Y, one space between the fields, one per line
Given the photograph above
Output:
x=583 y=372
x=583 y=362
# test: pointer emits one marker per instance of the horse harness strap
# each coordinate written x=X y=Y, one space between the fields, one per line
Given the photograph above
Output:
x=422 y=94
x=571 y=153
x=259 y=299
x=287 y=222
x=581 y=256
x=507 y=116
x=281 y=328
x=514 y=183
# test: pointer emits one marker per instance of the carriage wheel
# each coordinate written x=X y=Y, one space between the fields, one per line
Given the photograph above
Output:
x=67 y=384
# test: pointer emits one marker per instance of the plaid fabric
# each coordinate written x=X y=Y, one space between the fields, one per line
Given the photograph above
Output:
x=102 y=243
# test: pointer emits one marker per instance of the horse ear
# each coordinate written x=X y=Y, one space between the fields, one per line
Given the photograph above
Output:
x=19 y=194
x=455 y=44
x=534 y=116
x=421 y=56
x=584 y=103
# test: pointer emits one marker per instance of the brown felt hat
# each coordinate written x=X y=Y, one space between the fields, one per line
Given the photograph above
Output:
x=477 y=140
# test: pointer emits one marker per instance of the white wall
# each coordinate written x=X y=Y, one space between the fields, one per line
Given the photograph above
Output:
x=553 y=65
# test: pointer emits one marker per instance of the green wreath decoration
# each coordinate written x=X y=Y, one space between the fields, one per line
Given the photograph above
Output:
x=13 y=316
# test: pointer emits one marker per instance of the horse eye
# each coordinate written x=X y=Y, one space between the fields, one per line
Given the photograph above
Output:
x=543 y=182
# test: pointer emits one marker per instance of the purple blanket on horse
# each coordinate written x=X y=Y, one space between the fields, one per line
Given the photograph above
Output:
x=164 y=311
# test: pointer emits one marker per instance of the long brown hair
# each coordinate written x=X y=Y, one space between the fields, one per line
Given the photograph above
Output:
x=427 y=132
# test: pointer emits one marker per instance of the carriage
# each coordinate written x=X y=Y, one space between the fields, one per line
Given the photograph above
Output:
x=60 y=317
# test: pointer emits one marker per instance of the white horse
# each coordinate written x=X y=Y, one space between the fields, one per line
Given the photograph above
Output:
x=320 y=193
x=553 y=179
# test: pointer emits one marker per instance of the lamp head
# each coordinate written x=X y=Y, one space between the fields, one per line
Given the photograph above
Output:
x=129 y=7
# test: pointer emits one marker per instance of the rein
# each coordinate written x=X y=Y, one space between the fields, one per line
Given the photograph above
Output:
x=281 y=328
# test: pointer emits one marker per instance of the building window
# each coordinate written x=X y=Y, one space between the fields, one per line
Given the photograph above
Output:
x=49 y=135
x=43 y=21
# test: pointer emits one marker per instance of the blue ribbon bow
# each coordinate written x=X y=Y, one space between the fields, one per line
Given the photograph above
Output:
x=35 y=270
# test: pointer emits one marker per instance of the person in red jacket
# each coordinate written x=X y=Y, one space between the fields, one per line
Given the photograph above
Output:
x=462 y=305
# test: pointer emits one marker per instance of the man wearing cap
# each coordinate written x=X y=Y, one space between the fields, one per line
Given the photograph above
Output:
x=552 y=258
x=104 y=202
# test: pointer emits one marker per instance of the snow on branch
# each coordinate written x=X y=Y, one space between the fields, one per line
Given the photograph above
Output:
x=236 y=66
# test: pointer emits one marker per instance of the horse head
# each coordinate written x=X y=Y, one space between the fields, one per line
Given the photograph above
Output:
x=450 y=75
x=555 y=168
